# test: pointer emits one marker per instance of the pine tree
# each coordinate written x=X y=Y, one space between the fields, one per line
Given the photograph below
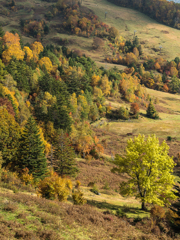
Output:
x=151 y=111
x=64 y=155
x=176 y=208
x=31 y=150
x=1 y=160
x=1 y=32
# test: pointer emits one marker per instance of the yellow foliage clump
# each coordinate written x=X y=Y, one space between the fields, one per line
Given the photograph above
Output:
x=47 y=63
x=36 y=47
x=13 y=50
x=105 y=85
x=173 y=71
x=26 y=177
x=29 y=53
x=55 y=187
x=46 y=144
x=6 y=91
x=95 y=79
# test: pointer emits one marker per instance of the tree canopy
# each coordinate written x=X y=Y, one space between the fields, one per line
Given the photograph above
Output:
x=149 y=168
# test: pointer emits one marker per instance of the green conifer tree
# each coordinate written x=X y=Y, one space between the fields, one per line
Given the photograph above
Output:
x=31 y=151
x=151 y=111
x=1 y=160
x=176 y=209
x=1 y=32
x=64 y=155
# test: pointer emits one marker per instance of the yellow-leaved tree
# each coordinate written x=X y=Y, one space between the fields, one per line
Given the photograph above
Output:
x=47 y=63
x=36 y=47
x=95 y=80
x=29 y=53
x=82 y=137
x=105 y=85
x=47 y=146
x=149 y=168
x=48 y=101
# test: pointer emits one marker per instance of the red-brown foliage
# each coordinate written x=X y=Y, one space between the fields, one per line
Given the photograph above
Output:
x=5 y=102
x=134 y=108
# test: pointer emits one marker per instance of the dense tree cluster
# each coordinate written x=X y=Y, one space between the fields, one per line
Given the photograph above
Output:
x=60 y=90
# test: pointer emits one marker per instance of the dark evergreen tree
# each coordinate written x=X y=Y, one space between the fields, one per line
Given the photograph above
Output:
x=176 y=209
x=1 y=160
x=164 y=77
x=59 y=115
x=31 y=150
x=1 y=42
x=1 y=32
x=64 y=155
x=151 y=111
x=21 y=73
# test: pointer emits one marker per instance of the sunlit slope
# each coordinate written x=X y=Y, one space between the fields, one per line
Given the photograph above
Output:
x=151 y=33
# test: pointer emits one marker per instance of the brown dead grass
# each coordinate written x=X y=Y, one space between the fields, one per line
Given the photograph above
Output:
x=98 y=172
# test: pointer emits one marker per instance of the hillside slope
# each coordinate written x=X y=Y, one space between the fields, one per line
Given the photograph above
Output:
x=150 y=33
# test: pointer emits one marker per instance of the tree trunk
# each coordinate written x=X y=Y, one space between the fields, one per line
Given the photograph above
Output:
x=143 y=206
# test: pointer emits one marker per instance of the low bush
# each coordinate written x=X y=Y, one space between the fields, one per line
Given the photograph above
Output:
x=95 y=190
x=78 y=198
x=55 y=187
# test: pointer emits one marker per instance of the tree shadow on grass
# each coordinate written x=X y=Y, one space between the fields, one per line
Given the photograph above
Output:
x=111 y=207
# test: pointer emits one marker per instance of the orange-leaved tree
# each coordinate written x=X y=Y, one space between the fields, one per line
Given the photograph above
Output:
x=12 y=43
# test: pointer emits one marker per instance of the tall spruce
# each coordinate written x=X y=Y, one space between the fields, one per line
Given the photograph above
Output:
x=1 y=162
x=176 y=209
x=151 y=111
x=1 y=31
x=1 y=159
x=31 y=150
x=64 y=155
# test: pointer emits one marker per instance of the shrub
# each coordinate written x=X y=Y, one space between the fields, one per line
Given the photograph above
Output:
x=10 y=207
x=123 y=113
x=26 y=177
x=10 y=179
x=78 y=198
x=113 y=33
x=106 y=186
x=91 y=184
x=97 y=43
x=95 y=190
x=157 y=213
x=120 y=213
x=169 y=138
x=78 y=184
x=134 y=108
x=53 y=187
